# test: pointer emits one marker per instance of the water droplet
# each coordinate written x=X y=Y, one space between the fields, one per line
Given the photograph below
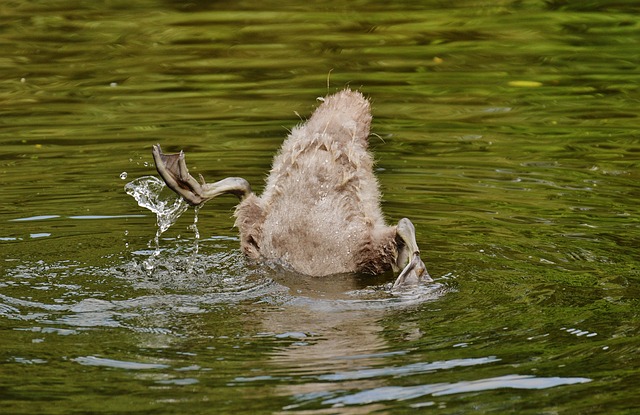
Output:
x=148 y=265
x=123 y=175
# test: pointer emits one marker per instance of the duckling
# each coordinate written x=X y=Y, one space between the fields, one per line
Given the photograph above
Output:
x=320 y=210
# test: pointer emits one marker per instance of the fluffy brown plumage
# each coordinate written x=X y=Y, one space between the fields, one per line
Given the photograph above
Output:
x=320 y=210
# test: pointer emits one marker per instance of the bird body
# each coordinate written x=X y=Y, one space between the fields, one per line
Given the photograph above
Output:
x=320 y=210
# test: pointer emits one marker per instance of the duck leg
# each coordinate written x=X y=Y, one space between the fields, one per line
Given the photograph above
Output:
x=414 y=272
x=173 y=170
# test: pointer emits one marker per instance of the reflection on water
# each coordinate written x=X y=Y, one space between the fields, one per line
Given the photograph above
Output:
x=336 y=344
x=306 y=324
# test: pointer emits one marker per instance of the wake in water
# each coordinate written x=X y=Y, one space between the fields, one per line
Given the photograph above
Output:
x=345 y=292
x=151 y=287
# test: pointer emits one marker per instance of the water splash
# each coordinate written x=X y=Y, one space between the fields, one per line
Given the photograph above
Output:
x=146 y=191
x=194 y=225
x=194 y=228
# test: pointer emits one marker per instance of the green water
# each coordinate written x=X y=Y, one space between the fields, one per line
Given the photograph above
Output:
x=507 y=131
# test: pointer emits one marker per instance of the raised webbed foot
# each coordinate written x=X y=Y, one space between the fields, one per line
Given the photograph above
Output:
x=173 y=170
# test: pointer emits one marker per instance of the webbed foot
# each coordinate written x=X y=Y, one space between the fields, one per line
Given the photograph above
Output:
x=414 y=272
x=173 y=170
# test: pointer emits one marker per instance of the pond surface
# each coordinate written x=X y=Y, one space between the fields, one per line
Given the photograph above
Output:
x=507 y=131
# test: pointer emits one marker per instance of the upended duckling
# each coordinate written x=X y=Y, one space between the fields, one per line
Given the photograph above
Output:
x=320 y=210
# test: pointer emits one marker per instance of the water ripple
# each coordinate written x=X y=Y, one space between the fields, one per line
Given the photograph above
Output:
x=117 y=364
x=411 y=369
x=404 y=393
x=211 y=281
